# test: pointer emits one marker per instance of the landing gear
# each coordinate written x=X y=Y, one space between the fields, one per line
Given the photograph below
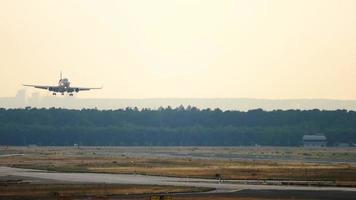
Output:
x=71 y=94
x=54 y=94
x=62 y=93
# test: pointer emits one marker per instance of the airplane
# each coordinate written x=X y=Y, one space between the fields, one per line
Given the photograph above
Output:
x=62 y=87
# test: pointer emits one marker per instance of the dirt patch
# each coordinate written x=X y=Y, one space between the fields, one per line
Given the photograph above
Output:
x=70 y=191
x=164 y=161
x=273 y=194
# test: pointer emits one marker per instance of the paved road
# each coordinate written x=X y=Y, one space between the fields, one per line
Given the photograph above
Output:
x=151 y=180
x=10 y=155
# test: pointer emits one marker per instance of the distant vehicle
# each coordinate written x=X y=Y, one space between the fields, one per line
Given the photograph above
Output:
x=62 y=87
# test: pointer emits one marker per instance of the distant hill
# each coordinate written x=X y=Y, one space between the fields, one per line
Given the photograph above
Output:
x=243 y=104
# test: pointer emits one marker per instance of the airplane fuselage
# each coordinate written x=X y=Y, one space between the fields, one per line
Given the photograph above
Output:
x=64 y=83
x=63 y=86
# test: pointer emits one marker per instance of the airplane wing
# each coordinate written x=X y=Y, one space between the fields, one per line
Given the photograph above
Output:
x=77 y=89
x=45 y=87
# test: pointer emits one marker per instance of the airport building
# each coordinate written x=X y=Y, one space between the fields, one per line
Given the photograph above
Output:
x=314 y=140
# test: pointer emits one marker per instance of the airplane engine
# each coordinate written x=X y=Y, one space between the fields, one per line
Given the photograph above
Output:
x=77 y=90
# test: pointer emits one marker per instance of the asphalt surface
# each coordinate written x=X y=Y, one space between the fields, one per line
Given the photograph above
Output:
x=10 y=155
x=130 y=179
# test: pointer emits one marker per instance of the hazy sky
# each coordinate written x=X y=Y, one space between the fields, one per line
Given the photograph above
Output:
x=184 y=48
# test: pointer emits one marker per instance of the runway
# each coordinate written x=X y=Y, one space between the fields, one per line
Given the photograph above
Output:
x=131 y=179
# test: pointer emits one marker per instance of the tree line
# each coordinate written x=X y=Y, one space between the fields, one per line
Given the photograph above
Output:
x=181 y=126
